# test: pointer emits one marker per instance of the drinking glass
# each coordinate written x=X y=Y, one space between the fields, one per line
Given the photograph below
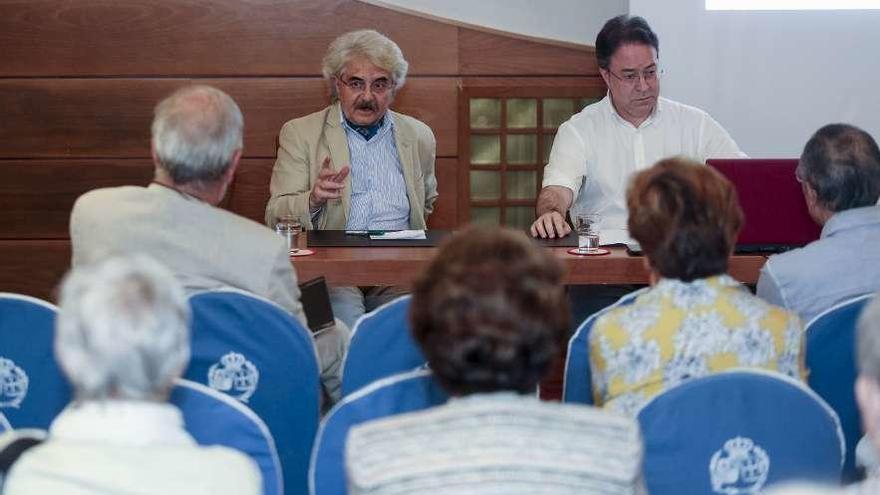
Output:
x=289 y=226
x=587 y=227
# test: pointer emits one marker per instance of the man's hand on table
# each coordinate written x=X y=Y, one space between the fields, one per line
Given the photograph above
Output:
x=550 y=225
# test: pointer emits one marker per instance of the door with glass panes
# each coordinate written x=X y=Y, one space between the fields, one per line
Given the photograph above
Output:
x=506 y=143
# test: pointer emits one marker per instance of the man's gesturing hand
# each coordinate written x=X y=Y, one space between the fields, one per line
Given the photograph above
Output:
x=329 y=184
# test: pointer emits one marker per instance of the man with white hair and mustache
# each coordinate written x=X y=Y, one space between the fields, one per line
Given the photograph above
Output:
x=356 y=165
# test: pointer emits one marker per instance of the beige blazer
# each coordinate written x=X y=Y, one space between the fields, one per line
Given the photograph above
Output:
x=204 y=246
x=306 y=141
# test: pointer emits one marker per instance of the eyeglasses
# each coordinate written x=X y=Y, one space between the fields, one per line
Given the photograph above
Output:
x=631 y=77
x=378 y=86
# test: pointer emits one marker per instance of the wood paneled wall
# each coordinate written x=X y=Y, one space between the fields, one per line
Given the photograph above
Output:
x=79 y=80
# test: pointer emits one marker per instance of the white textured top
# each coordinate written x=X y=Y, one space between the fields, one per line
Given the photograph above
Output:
x=596 y=151
x=500 y=443
x=128 y=447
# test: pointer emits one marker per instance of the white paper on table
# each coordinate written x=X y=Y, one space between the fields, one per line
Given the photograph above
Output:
x=608 y=237
x=400 y=234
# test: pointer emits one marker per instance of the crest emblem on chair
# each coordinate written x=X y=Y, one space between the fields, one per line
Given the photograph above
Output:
x=13 y=383
x=234 y=375
x=739 y=468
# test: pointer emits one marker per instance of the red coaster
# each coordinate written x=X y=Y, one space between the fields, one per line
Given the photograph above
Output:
x=302 y=252
x=596 y=252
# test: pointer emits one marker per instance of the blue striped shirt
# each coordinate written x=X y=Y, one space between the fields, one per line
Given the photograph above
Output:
x=378 y=189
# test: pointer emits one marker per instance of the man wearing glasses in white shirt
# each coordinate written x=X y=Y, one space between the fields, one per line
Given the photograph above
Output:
x=357 y=165
x=597 y=150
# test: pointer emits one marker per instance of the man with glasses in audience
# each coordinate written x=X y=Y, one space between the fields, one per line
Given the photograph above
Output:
x=356 y=165
x=839 y=172
x=597 y=150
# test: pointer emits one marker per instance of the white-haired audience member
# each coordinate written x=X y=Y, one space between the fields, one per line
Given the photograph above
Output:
x=197 y=147
x=122 y=337
x=356 y=165
x=868 y=398
x=490 y=314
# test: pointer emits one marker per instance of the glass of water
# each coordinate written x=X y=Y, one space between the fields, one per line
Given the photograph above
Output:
x=587 y=227
x=289 y=227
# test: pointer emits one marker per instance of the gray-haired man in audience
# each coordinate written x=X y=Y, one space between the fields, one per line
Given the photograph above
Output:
x=839 y=171
x=122 y=337
x=196 y=148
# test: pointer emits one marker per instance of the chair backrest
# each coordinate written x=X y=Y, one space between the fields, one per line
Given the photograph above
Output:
x=831 y=360
x=214 y=418
x=405 y=392
x=381 y=345
x=577 y=383
x=4 y=423
x=13 y=444
x=33 y=389
x=254 y=351
x=737 y=432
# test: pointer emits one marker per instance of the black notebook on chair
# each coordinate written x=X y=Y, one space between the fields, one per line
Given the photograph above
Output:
x=315 y=299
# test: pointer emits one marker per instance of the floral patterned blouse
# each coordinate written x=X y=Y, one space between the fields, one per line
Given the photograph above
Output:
x=679 y=330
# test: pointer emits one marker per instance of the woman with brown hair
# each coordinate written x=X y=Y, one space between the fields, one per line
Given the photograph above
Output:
x=490 y=315
x=695 y=319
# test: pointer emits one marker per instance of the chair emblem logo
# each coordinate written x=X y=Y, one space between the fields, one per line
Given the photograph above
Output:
x=234 y=375
x=739 y=468
x=13 y=383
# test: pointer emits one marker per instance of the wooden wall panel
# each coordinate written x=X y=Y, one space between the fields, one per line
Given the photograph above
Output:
x=79 y=80
x=433 y=101
x=33 y=267
x=445 y=208
x=203 y=37
x=555 y=87
x=111 y=117
x=250 y=189
x=482 y=53
x=37 y=195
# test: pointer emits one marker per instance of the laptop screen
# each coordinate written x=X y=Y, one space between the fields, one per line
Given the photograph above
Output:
x=776 y=216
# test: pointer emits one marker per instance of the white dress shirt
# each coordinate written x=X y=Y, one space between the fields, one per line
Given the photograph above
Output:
x=596 y=151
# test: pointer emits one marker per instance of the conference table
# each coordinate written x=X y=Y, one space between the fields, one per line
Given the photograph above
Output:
x=395 y=265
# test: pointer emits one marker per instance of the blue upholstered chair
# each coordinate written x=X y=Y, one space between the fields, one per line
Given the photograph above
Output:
x=381 y=345
x=14 y=443
x=32 y=388
x=736 y=432
x=213 y=418
x=577 y=383
x=255 y=352
x=831 y=361
x=4 y=423
x=401 y=393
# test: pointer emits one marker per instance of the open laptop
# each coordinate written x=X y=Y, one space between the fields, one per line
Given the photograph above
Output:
x=776 y=217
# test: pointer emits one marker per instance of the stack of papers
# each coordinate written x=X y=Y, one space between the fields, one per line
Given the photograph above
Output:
x=399 y=234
